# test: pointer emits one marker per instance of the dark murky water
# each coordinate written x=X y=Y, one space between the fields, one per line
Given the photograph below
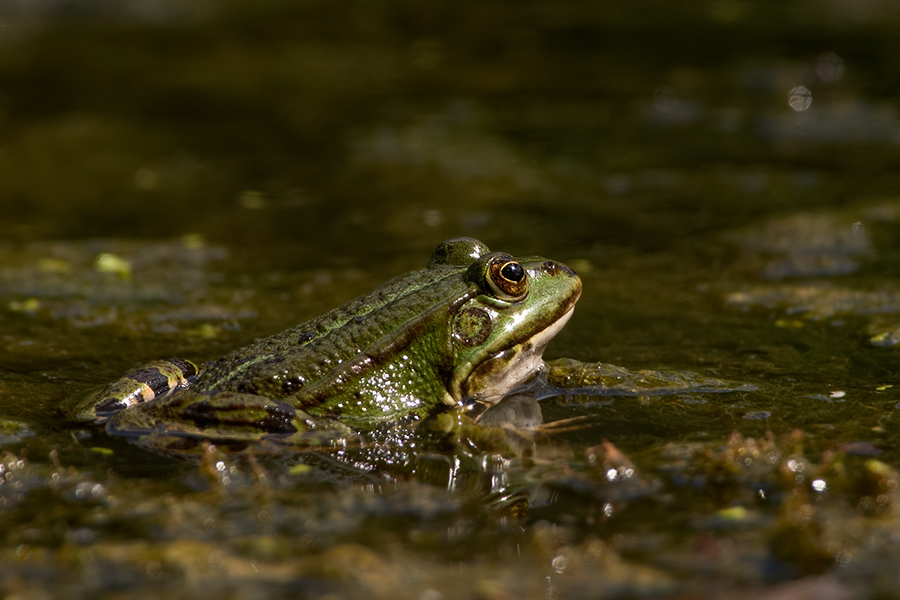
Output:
x=178 y=179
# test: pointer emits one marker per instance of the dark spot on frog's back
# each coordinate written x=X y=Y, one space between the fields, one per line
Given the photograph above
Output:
x=212 y=365
x=248 y=387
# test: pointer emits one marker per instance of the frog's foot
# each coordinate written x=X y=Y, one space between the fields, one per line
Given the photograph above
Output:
x=227 y=416
x=157 y=379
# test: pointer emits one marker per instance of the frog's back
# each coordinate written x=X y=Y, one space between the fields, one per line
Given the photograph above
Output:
x=394 y=314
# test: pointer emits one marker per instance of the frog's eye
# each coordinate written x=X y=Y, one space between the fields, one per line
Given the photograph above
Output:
x=507 y=278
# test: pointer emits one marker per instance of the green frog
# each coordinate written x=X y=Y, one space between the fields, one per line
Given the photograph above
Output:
x=465 y=330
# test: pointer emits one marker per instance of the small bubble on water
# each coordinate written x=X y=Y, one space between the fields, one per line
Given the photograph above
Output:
x=560 y=562
x=665 y=99
x=829 y=67
x=799 y=98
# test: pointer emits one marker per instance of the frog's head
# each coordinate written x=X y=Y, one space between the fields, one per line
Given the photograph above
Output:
x=499 y=329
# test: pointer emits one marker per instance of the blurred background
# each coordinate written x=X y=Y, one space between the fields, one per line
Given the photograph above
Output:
x=324 y=129
x=297 y=144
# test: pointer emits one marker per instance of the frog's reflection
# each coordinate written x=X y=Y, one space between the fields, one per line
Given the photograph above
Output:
x=520 y=411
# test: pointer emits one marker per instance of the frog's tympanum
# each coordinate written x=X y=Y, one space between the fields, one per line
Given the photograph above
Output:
x=465 y=330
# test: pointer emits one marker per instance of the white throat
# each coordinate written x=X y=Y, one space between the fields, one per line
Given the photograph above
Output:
x=528 y=359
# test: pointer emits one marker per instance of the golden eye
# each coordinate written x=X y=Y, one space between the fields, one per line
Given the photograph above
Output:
x=507 y=278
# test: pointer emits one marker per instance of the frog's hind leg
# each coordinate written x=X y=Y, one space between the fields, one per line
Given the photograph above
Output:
x=228 y=416
x=153 y=380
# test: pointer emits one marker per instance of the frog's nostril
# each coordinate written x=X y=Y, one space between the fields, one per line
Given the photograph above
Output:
x=551 y=267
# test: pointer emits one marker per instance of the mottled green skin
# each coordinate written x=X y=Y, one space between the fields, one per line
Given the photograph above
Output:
x=438 y=336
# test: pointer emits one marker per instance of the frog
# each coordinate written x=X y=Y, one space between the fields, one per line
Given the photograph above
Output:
x=462 y=332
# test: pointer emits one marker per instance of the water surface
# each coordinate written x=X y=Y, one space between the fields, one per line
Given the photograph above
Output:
x=178 y=179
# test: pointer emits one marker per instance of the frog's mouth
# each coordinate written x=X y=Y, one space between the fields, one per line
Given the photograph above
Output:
x=501 y=371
